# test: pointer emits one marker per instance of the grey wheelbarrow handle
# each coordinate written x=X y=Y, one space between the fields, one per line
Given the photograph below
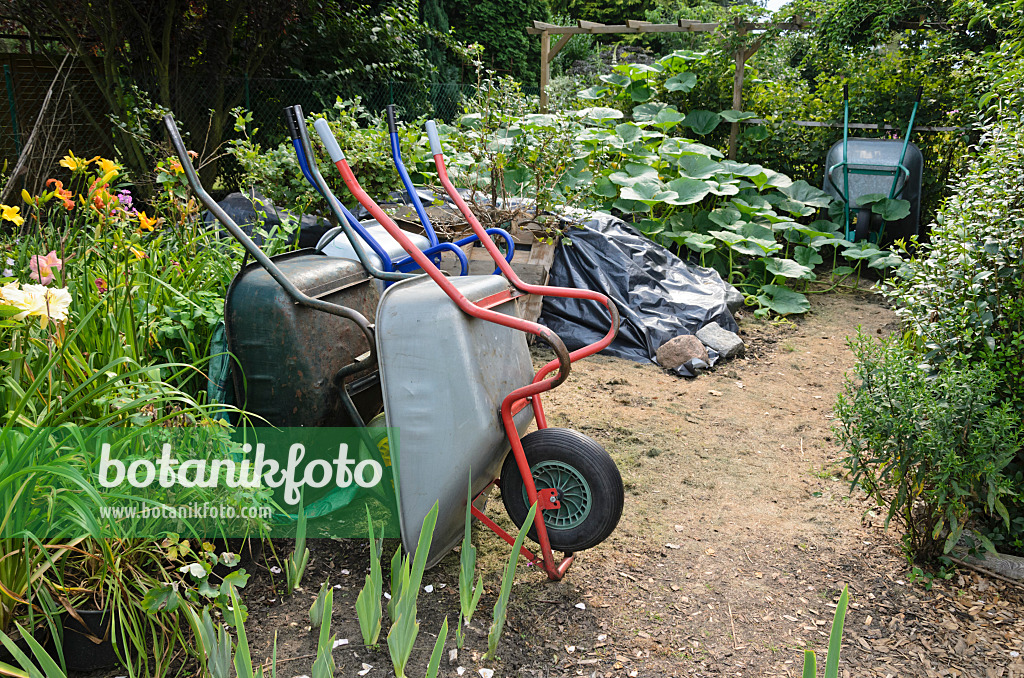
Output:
x=253 y=249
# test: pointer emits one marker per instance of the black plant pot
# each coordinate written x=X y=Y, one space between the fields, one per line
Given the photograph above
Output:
x=82 y=652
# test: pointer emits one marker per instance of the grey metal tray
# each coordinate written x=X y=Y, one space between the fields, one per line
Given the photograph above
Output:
x=444 y=375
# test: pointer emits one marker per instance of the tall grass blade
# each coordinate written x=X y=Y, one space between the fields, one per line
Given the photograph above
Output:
x=835 y=639
x=501 y=607
x=435 y=656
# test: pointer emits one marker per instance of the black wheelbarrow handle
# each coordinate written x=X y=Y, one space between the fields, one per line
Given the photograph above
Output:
x=253 y=249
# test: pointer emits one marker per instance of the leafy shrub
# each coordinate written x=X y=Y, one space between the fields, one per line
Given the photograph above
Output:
x=964 y=293
x=934 y=450
x=362 y=135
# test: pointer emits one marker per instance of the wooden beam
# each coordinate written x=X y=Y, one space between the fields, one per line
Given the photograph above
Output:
x=856 y=125
x=557 y=30
x=687 y=25
x=737 y=91
x=637 y=26
x=558 y=46
x=545 y=69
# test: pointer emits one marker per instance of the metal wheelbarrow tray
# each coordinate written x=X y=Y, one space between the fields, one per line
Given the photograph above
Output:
x=445 y=374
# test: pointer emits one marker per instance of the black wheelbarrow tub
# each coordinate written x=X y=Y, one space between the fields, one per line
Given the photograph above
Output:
x=878 y=154
x=287 y=355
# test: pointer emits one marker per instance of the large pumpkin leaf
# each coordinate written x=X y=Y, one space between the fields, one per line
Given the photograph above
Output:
x=688 y=191
x=681 y=82
x=741 y=169
x=645 y=189
x=756 y=133
x=639 y=91
x=628 y=132
x=680 y=58
x=471 y=120
x=675 y=147
x=782 y=300
x=735 y=116
x=723 y=187
x=632 y=173
x=702 y=122
x=646 y=112
x=604 y=188
x=545 y=120
x=752 y=230
x=699 y=166
x=801 y=191
x=593 y=93
x=518 y=181
x=771 y=179
x=787 y=268
x=617 y=79
x=725 y=216
x=807 y=256
x=631 y=206
x=667 y=119
x=699 y=242
x=892 y=209
x=600 y=114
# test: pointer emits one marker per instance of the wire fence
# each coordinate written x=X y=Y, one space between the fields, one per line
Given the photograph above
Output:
x=78 y=115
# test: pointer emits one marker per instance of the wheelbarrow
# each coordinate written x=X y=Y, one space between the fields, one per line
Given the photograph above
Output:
x=387 y=260
x=456 y=380
x=387 y=254
x=858 y=168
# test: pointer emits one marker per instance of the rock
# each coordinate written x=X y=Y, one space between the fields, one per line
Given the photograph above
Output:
x=728 y=344
x=681 y=350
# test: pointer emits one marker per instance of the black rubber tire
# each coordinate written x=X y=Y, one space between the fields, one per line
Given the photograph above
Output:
x=592 y=462
x=864 y=217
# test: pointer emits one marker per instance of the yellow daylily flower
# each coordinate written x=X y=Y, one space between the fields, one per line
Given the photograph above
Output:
x=74 y=163
x=147 y=223
x=107 y=166
x=8 y=213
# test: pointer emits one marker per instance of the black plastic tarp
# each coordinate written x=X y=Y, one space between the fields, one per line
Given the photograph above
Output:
x=659 y=296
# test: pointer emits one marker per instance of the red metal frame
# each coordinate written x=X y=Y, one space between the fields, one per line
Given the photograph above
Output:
x=532 y=391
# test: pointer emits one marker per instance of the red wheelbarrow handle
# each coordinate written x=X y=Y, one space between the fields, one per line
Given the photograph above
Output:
x=506 y=268
x=543 y=333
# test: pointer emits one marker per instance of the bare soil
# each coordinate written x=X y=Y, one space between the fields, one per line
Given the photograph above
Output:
x=737 y=537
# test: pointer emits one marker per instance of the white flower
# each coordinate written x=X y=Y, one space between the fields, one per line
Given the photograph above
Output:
x=37 y=300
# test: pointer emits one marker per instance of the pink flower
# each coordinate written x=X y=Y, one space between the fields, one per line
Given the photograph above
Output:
x=101 y=285
x=43 y=267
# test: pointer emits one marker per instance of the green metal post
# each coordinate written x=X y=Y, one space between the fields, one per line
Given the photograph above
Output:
x=846 y=167
x=8 y=76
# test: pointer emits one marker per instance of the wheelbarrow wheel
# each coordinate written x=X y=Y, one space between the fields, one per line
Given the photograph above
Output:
x=864 y=217
x=588 y=483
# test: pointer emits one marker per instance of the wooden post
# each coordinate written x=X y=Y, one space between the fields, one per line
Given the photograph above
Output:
x=545 y=69
x=737 y=91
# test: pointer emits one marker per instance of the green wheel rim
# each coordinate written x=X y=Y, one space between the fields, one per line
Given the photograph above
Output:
x=573 y=493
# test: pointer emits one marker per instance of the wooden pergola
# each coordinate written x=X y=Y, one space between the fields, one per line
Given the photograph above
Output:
x=548 y=53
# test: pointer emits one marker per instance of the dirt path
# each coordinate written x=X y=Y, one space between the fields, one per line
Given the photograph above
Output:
x=736 y=540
